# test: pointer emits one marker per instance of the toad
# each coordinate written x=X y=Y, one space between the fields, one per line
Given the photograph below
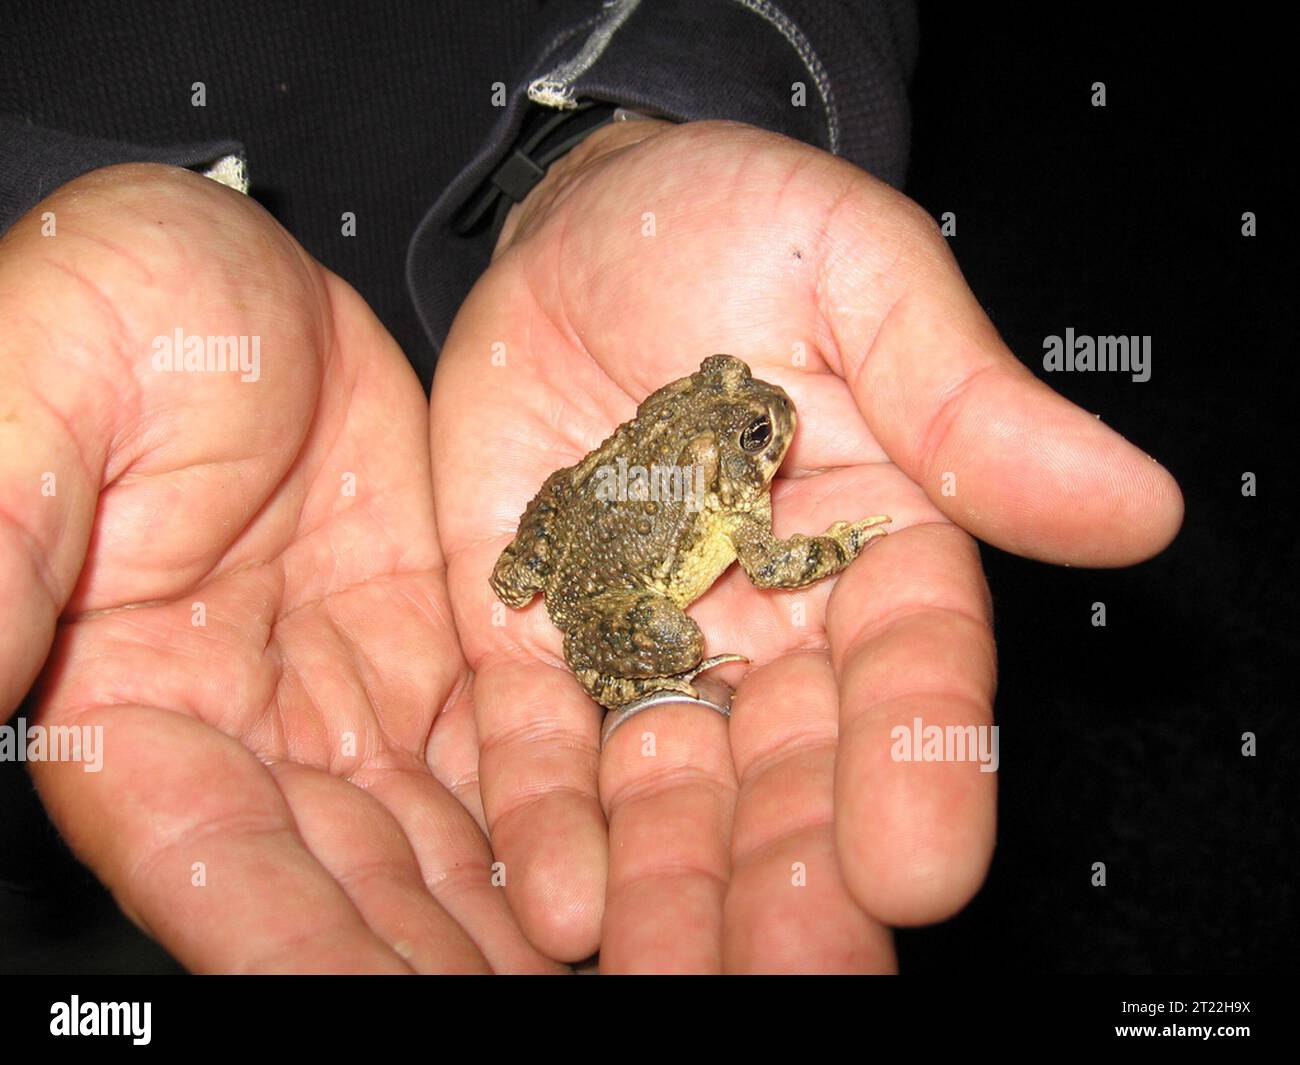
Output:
x=622 y=542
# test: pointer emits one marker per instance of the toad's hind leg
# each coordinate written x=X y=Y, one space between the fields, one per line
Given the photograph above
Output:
x=629 y=644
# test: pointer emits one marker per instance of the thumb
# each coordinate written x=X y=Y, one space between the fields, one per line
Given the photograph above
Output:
x=55 y=428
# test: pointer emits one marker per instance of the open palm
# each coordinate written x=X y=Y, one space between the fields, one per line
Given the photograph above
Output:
x=242 y=585
x=786 y=838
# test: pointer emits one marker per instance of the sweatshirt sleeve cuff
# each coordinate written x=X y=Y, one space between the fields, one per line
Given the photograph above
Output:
x=687 y=60
x=35 y=161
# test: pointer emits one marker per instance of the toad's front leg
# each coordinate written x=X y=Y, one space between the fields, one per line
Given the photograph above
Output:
x=800 y=560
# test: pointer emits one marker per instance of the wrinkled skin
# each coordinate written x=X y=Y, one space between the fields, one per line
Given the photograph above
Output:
x=314 y=746
x=227 y=759
x=842 y=291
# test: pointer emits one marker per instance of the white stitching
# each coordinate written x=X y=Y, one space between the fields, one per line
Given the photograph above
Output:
x=804 y=48
x=231 y=171
x=556 y=88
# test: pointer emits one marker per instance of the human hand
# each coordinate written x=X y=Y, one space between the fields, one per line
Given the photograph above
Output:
x=240 y=581
x=646 y=249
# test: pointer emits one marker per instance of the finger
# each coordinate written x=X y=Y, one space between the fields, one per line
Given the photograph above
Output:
x=914 y=838
x=48 y=488
x=788 y=909
x=456 y=865
x=537 y=774
x=670 y=790
x=363 y=848
x=451 y=752
x=1034 y=474
x=54 y=436
x=199 y=848
x=539 y=733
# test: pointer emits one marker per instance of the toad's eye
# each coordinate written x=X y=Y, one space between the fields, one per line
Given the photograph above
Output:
x=756 y=435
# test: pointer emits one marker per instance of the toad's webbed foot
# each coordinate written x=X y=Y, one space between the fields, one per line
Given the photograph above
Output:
x=615 y=692
x=801 y=560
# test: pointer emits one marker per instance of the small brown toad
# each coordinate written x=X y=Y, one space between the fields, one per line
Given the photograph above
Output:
x=622 y=542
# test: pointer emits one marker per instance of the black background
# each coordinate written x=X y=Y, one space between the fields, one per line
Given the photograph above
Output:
x=1119 y=744
x=1122 y=744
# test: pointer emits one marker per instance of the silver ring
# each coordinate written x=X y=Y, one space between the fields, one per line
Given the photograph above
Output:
x=661 y=698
